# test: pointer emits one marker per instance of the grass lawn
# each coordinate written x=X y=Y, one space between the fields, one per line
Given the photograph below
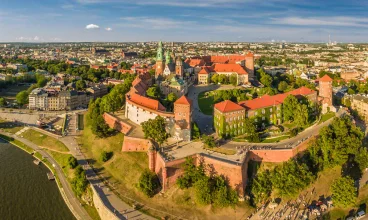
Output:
x=10 y=126
x=274 y=140
x=326 y=116
x=44 y=141
x=205 y=103
x=289 y=125
x=80 y=121
x=222 y=150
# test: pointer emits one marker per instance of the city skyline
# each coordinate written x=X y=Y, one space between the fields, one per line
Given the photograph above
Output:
x=209 y=20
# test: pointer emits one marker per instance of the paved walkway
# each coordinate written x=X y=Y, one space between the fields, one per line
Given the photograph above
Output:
x=73 y=200
x=112 y=201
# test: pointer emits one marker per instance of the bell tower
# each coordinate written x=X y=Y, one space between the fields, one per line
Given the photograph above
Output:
x=179 y=68
x=160 y=60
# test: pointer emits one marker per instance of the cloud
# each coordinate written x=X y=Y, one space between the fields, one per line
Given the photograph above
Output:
x=174 y=3
x=155 y=23
x=92 y=26
x=36 y=38
x=322 y=21
x=108 y=29
x=67 y=6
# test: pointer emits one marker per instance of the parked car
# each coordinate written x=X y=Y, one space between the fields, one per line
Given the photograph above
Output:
x=360 y=215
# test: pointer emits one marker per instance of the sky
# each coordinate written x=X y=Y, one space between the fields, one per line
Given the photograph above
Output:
x=183 y=20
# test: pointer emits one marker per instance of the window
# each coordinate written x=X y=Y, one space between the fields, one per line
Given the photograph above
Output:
x=270 y=109
x=263 y=118
x=255 y=113
x=263 y=111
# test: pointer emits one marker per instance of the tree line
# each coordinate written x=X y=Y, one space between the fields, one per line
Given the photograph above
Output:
x=338 y=144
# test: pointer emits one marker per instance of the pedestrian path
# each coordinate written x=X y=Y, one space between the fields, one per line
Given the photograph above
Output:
x=21 y=131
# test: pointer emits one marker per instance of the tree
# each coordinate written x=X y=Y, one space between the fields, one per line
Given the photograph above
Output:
x=72 y=162
x=209 y=141
x=99 y=127
x=288 y=108
x=171 y=97
x=301 y=116
x=344 y=192
x=153 y=92
x=261 y=187
x=251 y=130
x=196 y=133
x=223 y=79
x=203 y=190
x=105 y=156
x=41 y=80
x=148 y=183
x=125 y=65
x=2 y=102
x=283 y=86
x=155 y=129
x=234 y=79
x=22 y=98
x=79 y=182
x=80 y=85
x=266 y=80
x=362 y=158
x=215 y=78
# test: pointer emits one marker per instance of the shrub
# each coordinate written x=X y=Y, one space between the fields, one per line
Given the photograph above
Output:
x=79 y=182
x=72 y=162
x=148 y=183
x=105 y=156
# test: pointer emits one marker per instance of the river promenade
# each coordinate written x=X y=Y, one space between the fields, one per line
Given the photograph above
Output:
x=68 y=194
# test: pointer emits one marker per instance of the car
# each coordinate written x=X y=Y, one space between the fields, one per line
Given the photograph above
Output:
x=360 y=215
x=350 y=218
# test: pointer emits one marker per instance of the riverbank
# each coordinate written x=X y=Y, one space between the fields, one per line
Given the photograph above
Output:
x=65 y=190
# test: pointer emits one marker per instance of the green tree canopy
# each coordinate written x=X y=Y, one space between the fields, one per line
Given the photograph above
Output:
x=148 y=183
x=344 y=192
x=80 y=85
x=22 y=98
x=155 y=129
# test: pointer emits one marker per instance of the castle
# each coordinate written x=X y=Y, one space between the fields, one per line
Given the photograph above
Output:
x=140 y=108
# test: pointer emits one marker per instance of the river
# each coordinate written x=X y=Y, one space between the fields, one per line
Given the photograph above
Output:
x=25 y=191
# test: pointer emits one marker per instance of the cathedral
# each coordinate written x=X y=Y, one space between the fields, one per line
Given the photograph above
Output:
x=170 y=73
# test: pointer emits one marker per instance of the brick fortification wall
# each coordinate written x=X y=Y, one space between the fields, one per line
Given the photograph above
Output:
x=116 y=124
x=235 y=173
x=136 y=144
x=169 y=171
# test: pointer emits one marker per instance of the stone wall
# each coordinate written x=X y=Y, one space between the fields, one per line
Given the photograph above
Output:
x=136 y=144
x=104 y=212
x=116 y=124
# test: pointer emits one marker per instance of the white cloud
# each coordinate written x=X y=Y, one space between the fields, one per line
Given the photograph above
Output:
x=322 y=21
x=92 y=26
x=36 y=38
x=175 y=3
x=108 y=29
x=155 y=23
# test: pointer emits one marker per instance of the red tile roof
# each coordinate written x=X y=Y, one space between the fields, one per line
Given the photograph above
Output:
x=228 y=106
x=146 y=102
x=325 y=78
x=266 y=100
x=194 y=62
x=229 y=68
x=205 y=70
x=183 y=101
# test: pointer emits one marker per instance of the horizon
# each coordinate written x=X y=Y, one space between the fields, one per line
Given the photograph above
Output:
x=207 y=21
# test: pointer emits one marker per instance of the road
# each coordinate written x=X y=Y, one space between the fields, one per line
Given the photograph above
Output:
x=78 y=210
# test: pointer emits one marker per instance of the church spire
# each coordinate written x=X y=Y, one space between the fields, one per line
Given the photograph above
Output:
x=160 y=52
